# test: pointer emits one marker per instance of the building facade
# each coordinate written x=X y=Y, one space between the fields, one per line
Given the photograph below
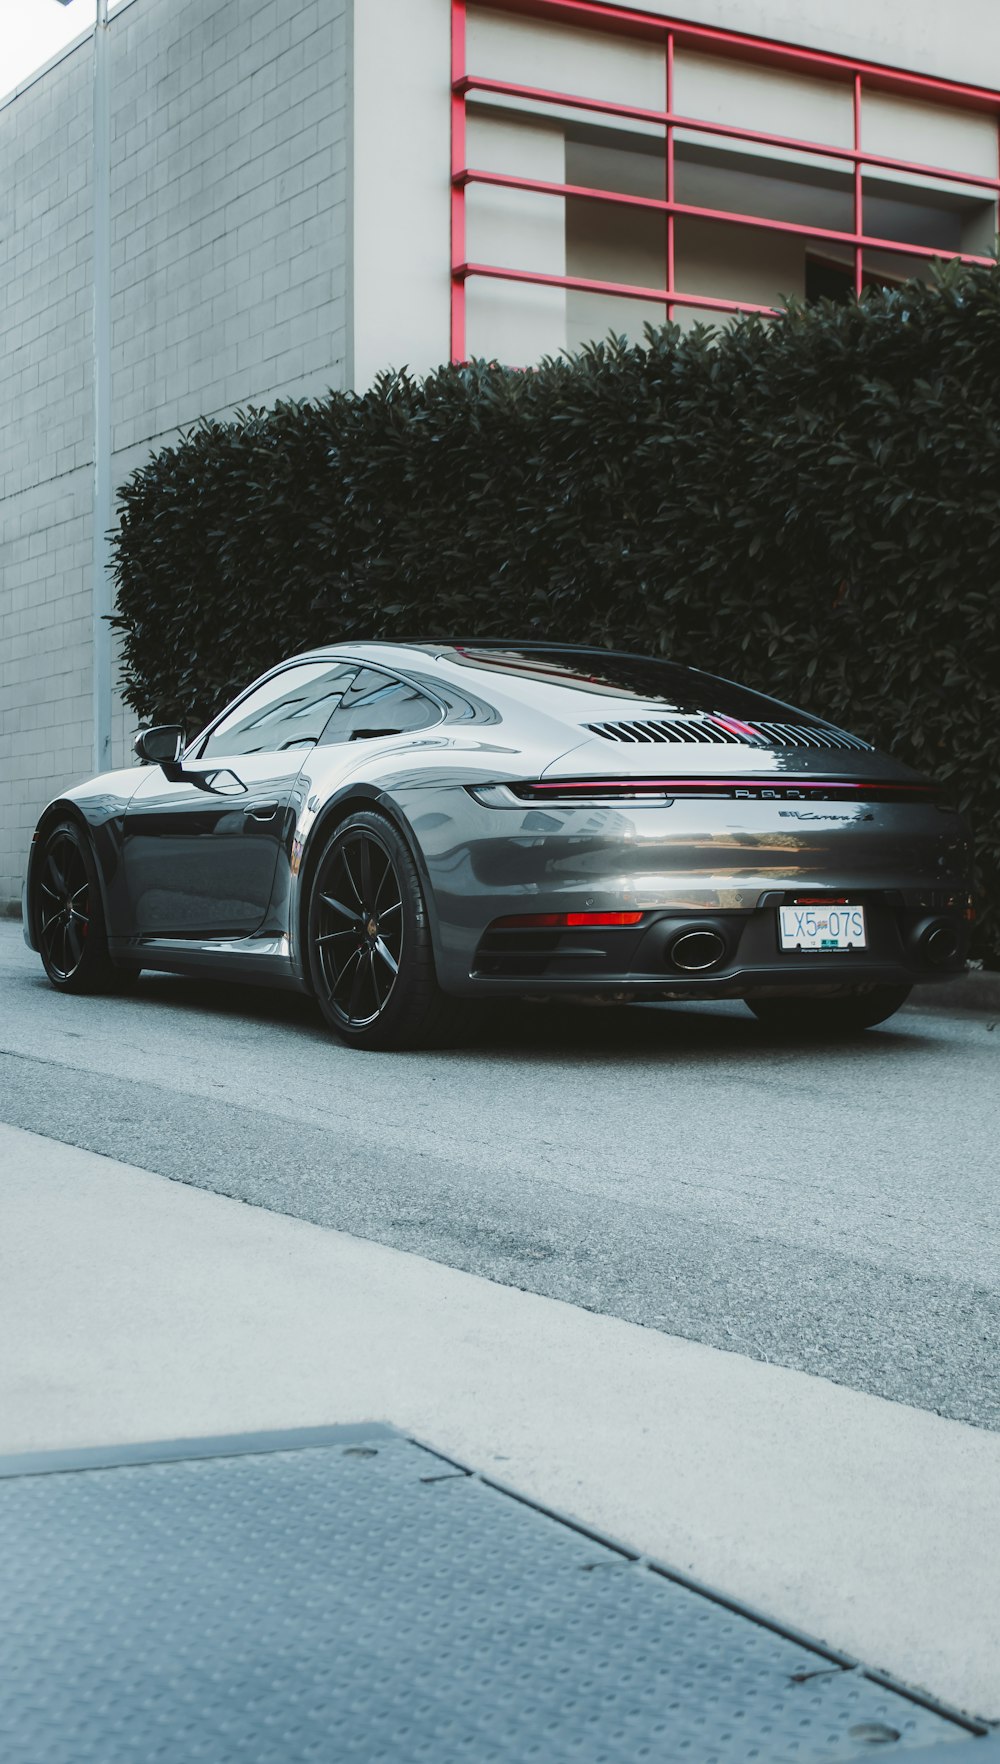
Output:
x=219 y=203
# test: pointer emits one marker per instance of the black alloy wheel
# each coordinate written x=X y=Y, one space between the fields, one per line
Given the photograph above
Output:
x=69 y=918
x=370 y=954
x=845 y=1013
x=64 y=906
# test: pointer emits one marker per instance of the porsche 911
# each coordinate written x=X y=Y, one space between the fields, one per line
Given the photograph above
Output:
x=400 y=829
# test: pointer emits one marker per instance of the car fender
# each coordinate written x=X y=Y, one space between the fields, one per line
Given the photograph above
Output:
x=61 y=809
x=98 y=807
x=356 y=795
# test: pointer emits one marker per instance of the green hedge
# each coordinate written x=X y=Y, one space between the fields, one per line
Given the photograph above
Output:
x=811 y=506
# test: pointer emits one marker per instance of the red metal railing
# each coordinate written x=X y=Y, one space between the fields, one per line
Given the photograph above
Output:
x=670 y=33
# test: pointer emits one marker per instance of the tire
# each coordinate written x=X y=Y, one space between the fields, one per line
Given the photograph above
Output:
x=371 y=961
x=69 y=916
x=844 y=1014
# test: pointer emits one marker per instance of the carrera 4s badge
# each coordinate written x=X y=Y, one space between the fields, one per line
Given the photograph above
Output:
x=819 y=815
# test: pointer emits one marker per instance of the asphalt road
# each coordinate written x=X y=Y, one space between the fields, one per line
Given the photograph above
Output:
x=831 y=1208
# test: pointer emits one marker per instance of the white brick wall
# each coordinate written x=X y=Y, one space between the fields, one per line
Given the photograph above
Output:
x=46 y=471
x=228 y=205
x=228 y=255
x=45 y=738
x=45 y=278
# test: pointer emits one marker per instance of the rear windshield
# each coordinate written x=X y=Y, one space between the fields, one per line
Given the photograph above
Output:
x=629 y=677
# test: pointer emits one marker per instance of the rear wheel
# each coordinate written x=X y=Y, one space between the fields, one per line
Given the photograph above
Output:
x=844 y=1014
x=69 y=915
x=370 y=954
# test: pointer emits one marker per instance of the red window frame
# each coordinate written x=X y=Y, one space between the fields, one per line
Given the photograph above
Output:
x=595 y=14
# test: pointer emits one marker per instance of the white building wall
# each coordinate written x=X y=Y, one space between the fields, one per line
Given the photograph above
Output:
x=46 y=425
x=229 y=287
x=400 y=192
x=956 y=42
x=229 y=194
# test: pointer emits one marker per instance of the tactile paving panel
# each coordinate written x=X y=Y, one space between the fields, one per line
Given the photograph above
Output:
x=366 y=1601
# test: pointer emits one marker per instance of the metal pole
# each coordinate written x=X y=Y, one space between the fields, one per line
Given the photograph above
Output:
x=859 y=256
x=458 y=156
x=102 y=591
x=670 y=188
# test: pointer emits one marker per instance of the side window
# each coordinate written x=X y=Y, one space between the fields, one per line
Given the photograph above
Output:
x=288 y=711
x=379 y=705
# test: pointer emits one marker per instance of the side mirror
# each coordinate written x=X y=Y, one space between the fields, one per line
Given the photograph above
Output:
x=161 y=746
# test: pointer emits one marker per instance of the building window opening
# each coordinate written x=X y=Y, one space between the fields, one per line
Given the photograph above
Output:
x=610 y=171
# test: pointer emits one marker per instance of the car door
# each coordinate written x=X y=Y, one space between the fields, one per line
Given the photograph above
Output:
x=200 y=850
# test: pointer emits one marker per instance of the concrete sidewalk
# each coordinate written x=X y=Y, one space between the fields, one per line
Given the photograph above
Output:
x=137 y=1308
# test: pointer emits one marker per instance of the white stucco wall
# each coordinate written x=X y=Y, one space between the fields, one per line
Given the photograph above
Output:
x=400 y=76
x=960 y=41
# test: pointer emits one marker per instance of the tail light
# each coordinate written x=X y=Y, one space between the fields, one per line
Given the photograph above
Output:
x=739 y=789
x=562 y=921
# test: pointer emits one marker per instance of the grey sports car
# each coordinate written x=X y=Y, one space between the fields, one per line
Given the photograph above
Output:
x=398 y=828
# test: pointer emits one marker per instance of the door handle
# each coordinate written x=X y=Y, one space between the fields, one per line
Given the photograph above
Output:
x=261 y=811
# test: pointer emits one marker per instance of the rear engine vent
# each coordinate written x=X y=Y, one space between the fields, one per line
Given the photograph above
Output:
x=808 y=735
x=726 y=732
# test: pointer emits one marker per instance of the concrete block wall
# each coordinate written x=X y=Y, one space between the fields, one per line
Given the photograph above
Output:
x=229 y=193
x=229 y=125
x=46 y=457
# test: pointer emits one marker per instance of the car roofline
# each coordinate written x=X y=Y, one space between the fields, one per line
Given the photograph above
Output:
x=432 y=645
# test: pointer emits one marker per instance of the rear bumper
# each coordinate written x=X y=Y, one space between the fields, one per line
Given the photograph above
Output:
x=725 y=864
x=638 y=961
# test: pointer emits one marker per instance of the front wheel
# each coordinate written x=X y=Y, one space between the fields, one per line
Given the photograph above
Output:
x=370 y=954
x=844 y=1014
x=69 y=916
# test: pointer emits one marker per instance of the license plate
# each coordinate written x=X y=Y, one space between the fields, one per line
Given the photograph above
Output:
x=822 y=927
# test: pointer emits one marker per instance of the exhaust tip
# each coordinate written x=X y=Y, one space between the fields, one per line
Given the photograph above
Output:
x=939 y=945
x=694 y=951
